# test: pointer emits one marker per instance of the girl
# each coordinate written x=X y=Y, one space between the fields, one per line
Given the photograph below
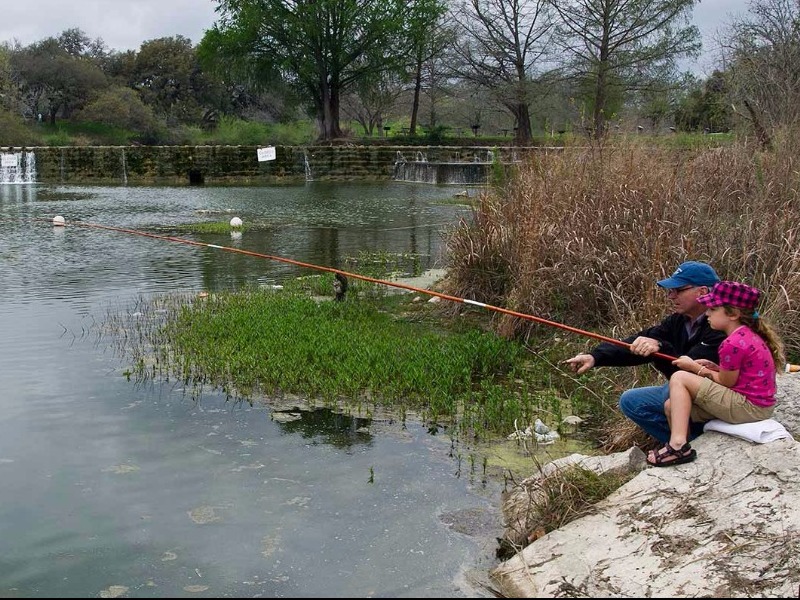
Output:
x=741 y=389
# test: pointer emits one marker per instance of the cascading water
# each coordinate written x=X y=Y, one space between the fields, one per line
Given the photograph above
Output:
x=422 y=170
x=17 y=167
x=124 y=169
x=309 y=175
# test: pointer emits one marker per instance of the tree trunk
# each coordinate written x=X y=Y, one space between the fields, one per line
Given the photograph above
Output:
x=412 y=129
x=599 y=111
x=328 y=113
x=761 y=132
x=522 y=118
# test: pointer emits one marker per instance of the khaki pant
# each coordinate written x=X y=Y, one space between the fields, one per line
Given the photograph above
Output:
x=715 y=401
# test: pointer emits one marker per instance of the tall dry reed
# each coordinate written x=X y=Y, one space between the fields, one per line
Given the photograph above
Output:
x=581 y=235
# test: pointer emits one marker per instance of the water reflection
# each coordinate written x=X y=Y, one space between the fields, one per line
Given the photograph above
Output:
x=329 y=427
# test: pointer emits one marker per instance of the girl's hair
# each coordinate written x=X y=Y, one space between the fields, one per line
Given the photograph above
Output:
x=765 y=330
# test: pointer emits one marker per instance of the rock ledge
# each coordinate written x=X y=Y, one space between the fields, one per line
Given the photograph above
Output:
x=725 y=525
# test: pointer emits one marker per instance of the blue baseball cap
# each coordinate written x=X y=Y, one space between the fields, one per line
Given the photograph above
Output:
x=691 y=273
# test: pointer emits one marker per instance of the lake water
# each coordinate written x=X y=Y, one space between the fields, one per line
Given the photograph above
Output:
x=113 y=488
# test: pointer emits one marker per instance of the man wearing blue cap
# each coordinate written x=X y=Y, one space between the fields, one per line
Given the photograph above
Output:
x=685 y=332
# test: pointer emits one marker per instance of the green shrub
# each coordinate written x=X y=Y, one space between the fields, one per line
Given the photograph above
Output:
x=61 y=137
x=14 y=131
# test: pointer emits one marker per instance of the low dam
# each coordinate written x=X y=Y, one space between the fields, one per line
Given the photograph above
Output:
x=239 y=165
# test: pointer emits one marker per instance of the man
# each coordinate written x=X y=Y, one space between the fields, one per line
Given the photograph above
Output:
x=685 y=332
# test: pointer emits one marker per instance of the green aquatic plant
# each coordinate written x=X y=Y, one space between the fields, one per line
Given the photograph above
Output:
x=365 y=351
x=381 y=264
x=209 y=227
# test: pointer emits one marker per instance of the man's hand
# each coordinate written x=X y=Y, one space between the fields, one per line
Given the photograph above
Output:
x=644 y=346
x=580 y=363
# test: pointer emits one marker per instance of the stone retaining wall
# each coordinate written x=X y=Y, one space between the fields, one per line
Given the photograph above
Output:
x=197 y=165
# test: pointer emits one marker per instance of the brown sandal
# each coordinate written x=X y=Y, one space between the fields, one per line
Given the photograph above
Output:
x=667 y=456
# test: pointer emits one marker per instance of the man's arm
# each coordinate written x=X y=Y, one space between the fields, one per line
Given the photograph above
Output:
x=611 y=355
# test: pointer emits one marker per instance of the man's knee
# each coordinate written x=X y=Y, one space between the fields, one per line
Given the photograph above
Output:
x=628 y=402
x=642 y=401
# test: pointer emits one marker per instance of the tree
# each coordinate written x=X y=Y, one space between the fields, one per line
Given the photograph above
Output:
x=503 y=48
x=762 y=55
x=615 y=45
x=706 y=107
x=370 y=101
x=120 y=107
x=429 y=39
x=13 y=131
x=56 y=82
x=322 y=47
x=10 y=99
x=168 y=76
x=76 y=43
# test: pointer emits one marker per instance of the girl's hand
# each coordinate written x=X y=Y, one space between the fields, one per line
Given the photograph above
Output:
x=687 y=363
x=708 y=364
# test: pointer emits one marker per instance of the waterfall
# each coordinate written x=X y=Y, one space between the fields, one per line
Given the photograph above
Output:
x=454 y=172
x=124 y=169
x=309 y=176
x=17 y=167
x=460 y=173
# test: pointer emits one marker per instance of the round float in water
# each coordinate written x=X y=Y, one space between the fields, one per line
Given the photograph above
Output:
x=236 y=222
x=59 y=221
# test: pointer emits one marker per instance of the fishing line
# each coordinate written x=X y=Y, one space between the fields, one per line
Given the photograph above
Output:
x=396 y=284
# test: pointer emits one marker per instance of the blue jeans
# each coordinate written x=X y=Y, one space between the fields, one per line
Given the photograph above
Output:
x=645 y=407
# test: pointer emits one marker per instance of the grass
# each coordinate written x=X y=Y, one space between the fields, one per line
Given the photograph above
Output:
x=66 y=133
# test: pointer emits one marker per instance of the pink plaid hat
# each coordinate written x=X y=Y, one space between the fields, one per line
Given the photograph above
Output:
x=731 y=293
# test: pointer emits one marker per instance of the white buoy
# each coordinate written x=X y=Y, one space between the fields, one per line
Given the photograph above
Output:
x=59 y=221
x=236 y=222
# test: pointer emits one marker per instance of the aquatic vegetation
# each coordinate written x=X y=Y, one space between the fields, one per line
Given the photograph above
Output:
x=209 y=227
x=371 y=349
x=380 y=263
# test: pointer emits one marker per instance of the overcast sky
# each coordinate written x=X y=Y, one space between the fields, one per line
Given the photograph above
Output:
x=125 y=24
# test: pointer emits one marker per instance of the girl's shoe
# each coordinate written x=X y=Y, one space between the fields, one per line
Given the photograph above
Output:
x=667 y=456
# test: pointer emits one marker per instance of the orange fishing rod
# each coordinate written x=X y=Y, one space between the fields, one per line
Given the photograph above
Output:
x=396 y=284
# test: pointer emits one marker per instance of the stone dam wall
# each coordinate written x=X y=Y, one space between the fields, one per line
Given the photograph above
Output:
x=239 y=165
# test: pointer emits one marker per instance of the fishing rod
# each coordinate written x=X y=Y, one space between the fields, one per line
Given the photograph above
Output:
x=59 y=221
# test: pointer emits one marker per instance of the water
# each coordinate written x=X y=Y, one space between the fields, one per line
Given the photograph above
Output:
x=115 y=488
x=443 y=173
x=421 y=170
